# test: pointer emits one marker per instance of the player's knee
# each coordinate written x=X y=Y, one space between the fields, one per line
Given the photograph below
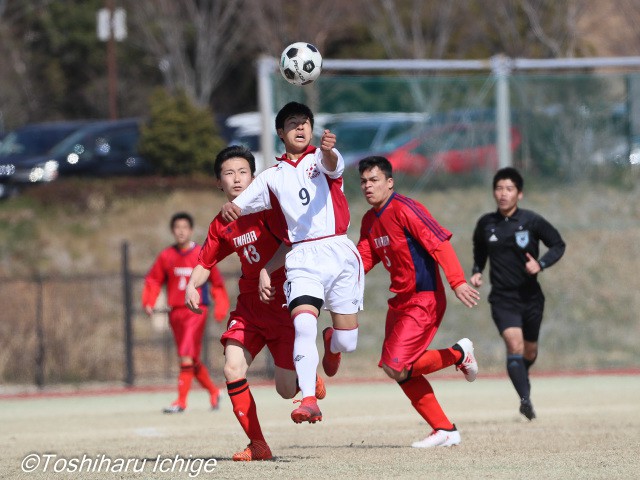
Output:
x=394 y=374
x=234 y=371
x=344 y=340
x=286 y=391
x=306 y=325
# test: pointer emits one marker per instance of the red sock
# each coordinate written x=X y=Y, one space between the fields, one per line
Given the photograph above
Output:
x=419 y=391
x=184 y=383
x=202 y=375
x=434 y=360
x=244 y=407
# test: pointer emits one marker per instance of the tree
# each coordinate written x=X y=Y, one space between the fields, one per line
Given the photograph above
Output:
x=193 y=42
x=180 y=137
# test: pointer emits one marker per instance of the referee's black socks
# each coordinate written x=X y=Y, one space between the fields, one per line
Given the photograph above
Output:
x=519 y=375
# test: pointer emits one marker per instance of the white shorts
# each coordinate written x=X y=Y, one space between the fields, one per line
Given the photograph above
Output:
x=329 y=269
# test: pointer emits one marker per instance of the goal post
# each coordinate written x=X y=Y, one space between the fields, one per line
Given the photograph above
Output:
x=424 y=85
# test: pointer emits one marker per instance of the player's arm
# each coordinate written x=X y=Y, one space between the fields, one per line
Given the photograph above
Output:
x=199 y=276
x=435 y=239
x=219 y=294
x=446 y=257
x=266 y=291
x=329 y=156
x=552 y=240
x=153 y=282
x=368 y=254
x=254 y=198
x=479 y=255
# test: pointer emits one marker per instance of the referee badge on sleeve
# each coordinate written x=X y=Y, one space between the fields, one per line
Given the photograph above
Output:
x=522 y=238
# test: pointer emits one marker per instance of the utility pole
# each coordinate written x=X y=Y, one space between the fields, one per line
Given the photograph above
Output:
x=112 y=65
x=111 y=28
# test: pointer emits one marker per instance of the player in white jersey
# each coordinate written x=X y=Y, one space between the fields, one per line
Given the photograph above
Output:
x=323 y=266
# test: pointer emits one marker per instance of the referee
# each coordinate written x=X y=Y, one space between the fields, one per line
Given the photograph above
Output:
x=509 y=238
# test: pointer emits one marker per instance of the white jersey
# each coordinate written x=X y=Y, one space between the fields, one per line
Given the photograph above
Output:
x=310 y=198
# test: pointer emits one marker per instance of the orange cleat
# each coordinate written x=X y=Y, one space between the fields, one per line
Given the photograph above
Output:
x=256 y=450
x=321 y=390
x=308 y=411
x=330 y=360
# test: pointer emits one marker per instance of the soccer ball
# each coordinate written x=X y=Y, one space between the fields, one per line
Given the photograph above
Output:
x=300 y=63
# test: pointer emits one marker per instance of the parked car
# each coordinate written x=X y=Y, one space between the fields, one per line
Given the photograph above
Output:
x=23 y=144
x=455 y=148
x=103 y=148
x=362 y=134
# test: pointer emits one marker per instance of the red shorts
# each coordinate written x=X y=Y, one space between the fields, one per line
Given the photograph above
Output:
x=188 y=328
x=412 y=322
x=255 y=324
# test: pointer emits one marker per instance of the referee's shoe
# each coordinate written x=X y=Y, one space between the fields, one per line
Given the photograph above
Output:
x=526 y=409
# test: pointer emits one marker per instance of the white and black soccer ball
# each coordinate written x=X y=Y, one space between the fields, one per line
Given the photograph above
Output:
x=300 y=63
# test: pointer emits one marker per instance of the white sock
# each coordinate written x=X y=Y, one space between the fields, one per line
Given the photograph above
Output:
x=344 y=340
x=305 y=352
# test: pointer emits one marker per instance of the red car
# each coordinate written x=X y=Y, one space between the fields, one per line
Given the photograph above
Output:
x=454 y=148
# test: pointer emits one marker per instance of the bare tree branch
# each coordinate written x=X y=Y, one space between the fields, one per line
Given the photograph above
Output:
x=533 y=14
x=193 y=41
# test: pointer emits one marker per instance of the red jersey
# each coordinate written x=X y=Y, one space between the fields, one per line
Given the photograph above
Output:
x=253 y=241
x=173 y=267
x=406 y=238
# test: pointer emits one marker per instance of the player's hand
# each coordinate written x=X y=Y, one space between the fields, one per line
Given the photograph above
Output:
x=468 y=295
x=265 y=290
x=476 y=280
x=532 y=266
x=148 y=310
x=230 y=212
x=328 y=141
x=192 y=299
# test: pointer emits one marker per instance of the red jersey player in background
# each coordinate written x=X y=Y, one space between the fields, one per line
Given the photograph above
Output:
x=173 y=268
x=252 y=324
x=402 y=234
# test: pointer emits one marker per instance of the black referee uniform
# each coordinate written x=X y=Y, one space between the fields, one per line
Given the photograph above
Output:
x=516 y=297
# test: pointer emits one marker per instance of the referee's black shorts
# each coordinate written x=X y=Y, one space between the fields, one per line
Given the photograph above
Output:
x=518 y=309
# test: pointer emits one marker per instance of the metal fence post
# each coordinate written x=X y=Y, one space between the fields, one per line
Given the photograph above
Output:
x=40 y=349
x=501 y=67
x=128 y=316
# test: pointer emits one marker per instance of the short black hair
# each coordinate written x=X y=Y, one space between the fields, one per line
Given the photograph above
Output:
x=234 y=151
x=376 y=161
x=509 y=173
x=291 y=109
x=181 y=216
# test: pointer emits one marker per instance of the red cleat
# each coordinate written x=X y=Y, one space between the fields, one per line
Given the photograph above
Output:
x=256 y=450
x=308 y=411
x=321 y=390
x=215 y=401
x=330 y=360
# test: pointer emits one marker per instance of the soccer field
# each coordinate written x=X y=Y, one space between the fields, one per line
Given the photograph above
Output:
x=588 y=427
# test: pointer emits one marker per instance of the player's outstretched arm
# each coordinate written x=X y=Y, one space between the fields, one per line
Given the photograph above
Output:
x=191 y=295
x=329 y=157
